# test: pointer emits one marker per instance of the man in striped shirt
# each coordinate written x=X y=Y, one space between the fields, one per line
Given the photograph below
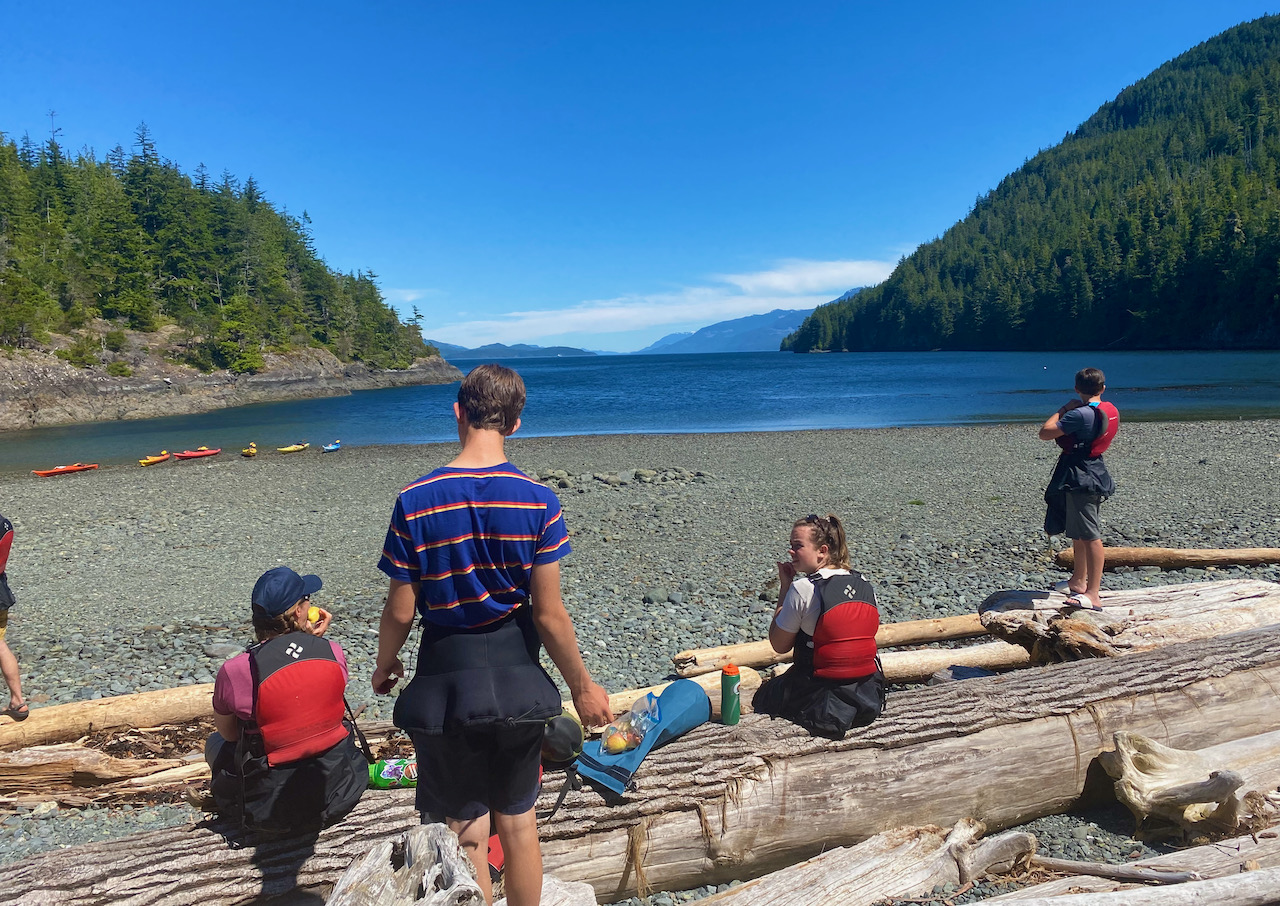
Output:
x=474 y=549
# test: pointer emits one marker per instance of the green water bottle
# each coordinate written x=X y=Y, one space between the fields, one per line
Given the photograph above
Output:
x=390 y=773
x=730 y=704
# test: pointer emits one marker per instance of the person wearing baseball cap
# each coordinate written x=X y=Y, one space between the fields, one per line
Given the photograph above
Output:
x=283 y=759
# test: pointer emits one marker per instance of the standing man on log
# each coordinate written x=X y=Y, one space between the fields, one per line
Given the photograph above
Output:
x=474 y=549
x=1084 y=429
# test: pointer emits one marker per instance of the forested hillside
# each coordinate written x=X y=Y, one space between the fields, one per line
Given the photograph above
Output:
x=133 y=240
x=1154 y=225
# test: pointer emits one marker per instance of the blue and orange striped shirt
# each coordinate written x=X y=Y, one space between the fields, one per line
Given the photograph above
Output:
x=470 y=538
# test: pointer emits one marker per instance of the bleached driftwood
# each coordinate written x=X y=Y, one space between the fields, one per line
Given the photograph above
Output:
x=903 y=862
x=1226 y=857
x=919 y=665
x=1254 y=888
x=725 y=803
x=435 y=872
x=43 y=768
x=697 y=661
x=63 y=723
x=1222 y=790
x=1135 y=620
x=1134 y=873
x=1177 y=558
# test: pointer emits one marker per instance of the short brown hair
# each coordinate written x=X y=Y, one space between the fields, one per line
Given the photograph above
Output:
x=1091 y=381
x=492 y=398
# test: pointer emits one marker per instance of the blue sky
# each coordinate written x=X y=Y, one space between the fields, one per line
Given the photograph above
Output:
x=595 y=174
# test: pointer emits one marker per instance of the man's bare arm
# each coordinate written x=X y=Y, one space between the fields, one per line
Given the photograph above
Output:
x=393 y=630
x=555 y=628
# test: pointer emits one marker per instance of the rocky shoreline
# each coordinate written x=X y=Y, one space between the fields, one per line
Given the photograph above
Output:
x=135 y=579
x=38 y=389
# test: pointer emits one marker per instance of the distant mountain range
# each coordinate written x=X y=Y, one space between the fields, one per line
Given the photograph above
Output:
x=754 y=333
x=502 y=351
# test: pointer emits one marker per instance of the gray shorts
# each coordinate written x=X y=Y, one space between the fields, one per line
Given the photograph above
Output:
x=1084 y=516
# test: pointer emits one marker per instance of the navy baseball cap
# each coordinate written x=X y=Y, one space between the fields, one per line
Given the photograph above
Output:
x=279 y=588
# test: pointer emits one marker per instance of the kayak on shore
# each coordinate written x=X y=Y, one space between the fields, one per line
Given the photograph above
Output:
x=63 y=470
x=250 y=451
x=293 y=448
x=330 y=448
x=197 y=453
x=162 y=456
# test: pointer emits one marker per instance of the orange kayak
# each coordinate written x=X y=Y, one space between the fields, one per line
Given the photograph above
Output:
x=62 y=470
x=154 y=458
x=197 y=453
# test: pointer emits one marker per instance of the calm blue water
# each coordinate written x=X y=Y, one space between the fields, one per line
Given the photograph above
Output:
x=708 y=393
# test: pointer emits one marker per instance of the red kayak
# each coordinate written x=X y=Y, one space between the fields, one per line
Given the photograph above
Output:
x=196 y=454
x=62 y=470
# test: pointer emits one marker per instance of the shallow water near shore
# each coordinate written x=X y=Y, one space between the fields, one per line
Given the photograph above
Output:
x=698 y=394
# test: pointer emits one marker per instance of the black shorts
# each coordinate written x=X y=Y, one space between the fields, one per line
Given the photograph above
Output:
x=487 y=768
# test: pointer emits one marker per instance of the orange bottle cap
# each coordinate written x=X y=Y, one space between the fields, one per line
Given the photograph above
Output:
x=731 y=669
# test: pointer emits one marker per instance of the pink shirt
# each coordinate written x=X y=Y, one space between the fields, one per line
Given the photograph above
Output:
x=233 y=689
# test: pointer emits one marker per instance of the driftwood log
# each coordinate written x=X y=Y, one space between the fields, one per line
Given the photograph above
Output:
x=1222 y=790
x=1177 y=558
x=1253 y=888
x=726 y=803
x=697 y=661
x=904 y=862
x=1135 y=620
x=1226 y=857
x=63 y=723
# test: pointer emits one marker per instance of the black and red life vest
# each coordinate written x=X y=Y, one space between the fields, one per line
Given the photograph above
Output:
x=298 y=686
x=295 y=768
x=843 y=644
x=6 y=544
x=1106 y=420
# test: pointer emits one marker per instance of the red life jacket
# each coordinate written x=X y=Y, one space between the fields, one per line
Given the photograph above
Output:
x=6 y=541
x=1105 y=415
x=297 y=697
x=1103 y=440
x=843 y=644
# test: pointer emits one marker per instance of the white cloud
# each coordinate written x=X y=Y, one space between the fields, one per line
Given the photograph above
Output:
x=794 y=284
x=799 y=276
x=407 y=296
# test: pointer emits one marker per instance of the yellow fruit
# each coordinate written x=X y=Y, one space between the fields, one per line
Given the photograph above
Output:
x=616 y=743
x=313 y=615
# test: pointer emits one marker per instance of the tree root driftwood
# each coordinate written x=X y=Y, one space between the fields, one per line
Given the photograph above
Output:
x=1130 y=621
x=724 y=803
x=1223 y=790
x=427 y=867
x=1177 y=558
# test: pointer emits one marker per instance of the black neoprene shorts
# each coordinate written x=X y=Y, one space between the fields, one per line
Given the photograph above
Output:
x=493 y=767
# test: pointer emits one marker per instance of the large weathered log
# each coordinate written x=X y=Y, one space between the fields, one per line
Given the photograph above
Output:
x=1135 y=620
x=1177 y=558
x=62 y=723
x=43 y=768
x=1226 y=857
x=1254 y=888
x=904 y=862
x=919 y=665
x=726 y=803
x=1221 y=790
x=697 y=661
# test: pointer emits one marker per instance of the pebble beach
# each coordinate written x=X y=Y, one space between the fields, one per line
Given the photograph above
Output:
x=132 y=579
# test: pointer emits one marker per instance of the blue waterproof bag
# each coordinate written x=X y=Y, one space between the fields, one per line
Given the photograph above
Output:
x=683 y=705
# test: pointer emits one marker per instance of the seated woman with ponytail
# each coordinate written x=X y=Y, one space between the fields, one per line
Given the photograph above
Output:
x=283 y=759
x=828 y=616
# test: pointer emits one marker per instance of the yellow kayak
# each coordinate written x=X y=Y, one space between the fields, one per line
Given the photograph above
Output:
x=153 y=459
x=251 y=450
x=293 y=448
